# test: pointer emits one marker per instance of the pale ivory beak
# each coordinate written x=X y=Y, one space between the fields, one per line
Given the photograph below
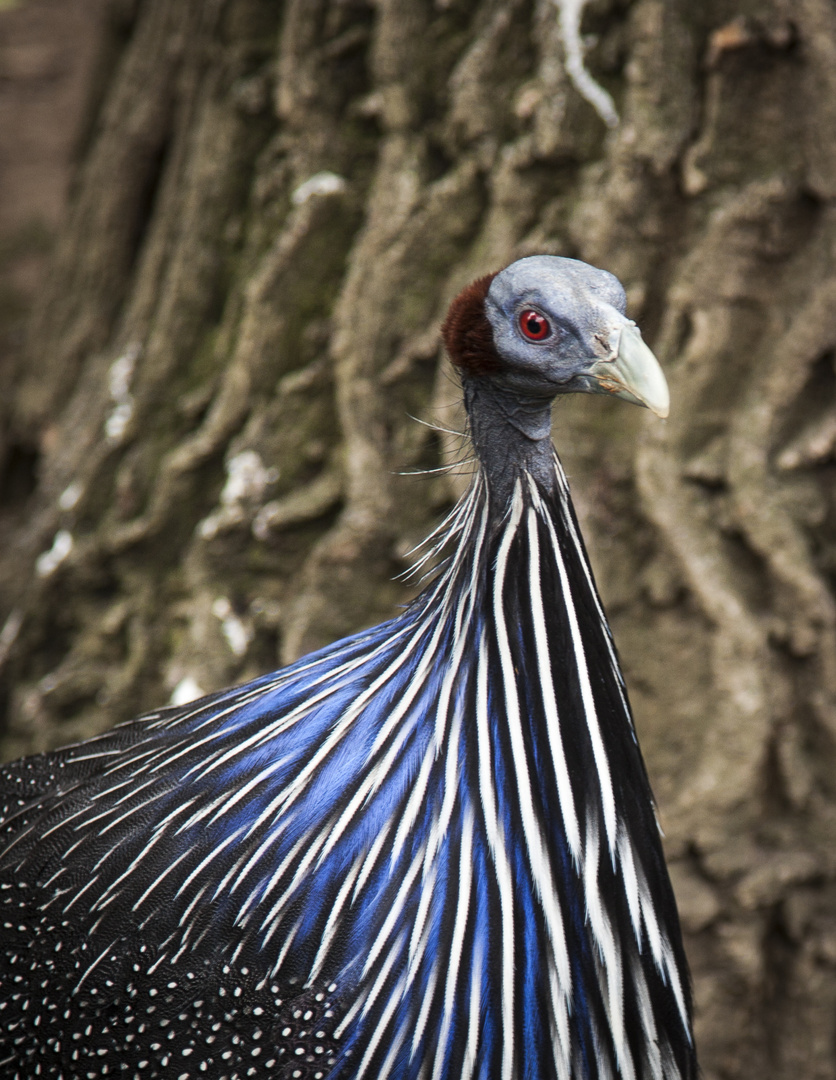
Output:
x=632 y=372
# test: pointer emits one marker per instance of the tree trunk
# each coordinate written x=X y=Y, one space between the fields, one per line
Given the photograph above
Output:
x=274 y=203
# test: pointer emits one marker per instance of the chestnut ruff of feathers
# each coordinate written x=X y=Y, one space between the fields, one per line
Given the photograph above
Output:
x=426 y=852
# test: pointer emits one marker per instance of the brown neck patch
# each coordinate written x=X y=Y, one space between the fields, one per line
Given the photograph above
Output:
x=467 y=333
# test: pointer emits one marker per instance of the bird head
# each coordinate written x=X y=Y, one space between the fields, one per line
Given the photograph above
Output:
x=545 y=326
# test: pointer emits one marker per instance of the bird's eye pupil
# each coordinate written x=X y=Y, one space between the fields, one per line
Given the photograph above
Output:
x=534 y=326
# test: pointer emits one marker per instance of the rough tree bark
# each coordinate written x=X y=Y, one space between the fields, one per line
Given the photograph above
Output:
x=273 y=205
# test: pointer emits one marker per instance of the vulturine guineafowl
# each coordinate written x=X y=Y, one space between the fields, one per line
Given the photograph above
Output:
x=426 y=852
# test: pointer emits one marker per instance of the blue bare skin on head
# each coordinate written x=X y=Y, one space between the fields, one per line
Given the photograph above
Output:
x=585 y=344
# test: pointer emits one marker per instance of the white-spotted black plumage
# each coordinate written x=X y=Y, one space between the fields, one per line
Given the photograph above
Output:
x=427 y=852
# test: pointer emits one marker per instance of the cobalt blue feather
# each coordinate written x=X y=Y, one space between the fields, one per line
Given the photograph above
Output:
x=425 y=852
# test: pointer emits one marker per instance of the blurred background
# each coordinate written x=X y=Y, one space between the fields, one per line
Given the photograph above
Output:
x=229 y=230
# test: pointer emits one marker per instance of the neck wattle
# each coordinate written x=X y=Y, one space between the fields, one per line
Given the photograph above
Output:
x=511 y=434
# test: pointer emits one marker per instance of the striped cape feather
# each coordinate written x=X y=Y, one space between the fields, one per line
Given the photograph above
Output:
x=426 y=852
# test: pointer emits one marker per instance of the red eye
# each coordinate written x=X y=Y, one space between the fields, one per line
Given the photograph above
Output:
x=535 y=327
